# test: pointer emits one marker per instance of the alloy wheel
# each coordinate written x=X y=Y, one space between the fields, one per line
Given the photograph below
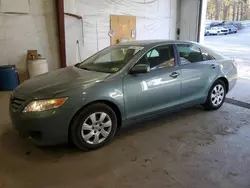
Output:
x=96 y=128
x=217 y=95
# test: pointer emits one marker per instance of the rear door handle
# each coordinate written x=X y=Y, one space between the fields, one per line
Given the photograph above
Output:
x=213 y=66
x=174 y=74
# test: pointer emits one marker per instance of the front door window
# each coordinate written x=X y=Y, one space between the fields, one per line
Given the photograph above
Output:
x=160 y=57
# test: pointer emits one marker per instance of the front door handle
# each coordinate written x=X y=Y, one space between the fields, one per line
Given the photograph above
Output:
x=213 y=66
x=174 y=74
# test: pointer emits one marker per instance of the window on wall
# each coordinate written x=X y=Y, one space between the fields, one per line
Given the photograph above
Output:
x=189 y=53
x=160 y=57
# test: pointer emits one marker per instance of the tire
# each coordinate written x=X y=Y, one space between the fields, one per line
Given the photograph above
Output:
x=210 y=102
x=82 y=127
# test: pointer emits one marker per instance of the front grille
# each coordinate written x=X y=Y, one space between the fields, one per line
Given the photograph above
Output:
x=224 y=30
x=17 y=103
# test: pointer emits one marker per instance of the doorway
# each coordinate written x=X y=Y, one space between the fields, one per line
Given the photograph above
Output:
x=227 y=30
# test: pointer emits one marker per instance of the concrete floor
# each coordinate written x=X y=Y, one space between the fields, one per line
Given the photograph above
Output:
x=188 y=149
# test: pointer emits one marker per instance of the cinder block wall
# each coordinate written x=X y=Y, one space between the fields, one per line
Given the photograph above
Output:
x=28 y=24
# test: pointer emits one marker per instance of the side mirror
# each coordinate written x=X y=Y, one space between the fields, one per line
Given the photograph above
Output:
x=140 y=68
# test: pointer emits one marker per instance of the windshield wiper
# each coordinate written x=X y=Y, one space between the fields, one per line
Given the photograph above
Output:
x=77 y=65
x=84 y=68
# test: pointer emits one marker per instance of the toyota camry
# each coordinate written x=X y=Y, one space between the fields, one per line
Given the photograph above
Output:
x=87 y=103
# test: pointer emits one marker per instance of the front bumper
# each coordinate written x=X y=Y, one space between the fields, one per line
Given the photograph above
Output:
x=44 y=128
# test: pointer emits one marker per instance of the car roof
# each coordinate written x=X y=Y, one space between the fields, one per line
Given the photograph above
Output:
x=153 y=42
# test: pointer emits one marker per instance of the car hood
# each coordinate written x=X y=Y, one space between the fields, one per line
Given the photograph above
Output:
x=53 y=83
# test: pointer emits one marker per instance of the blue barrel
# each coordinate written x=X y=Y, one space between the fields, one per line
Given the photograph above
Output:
x=8 y=78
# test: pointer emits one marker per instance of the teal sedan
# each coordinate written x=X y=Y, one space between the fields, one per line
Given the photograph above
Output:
x=87 y=103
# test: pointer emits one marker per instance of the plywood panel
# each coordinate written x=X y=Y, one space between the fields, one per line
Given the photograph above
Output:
x=123 y=27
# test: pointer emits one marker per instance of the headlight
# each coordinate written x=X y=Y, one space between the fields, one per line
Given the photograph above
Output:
x=42 y=105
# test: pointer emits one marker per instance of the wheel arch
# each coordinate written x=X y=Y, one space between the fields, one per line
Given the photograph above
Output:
x=224 y=79
x=112 y=105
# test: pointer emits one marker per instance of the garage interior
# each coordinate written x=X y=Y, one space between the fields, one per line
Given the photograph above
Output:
x=186 y=149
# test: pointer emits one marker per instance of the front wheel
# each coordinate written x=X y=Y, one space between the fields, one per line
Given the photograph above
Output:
x=93 y=127
x=216 y=96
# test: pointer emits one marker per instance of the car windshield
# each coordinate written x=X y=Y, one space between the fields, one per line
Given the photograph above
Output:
x=111 y=59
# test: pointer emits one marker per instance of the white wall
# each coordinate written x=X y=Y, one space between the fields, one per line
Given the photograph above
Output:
x=35 y=28
x=156 y=19
x=189 y=17
x=203 y=20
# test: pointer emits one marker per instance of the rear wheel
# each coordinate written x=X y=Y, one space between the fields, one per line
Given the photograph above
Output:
x=93 y=127
x=216 y=96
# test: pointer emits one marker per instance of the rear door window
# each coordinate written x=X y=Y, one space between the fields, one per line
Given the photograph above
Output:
x=159 y=57
x=189 y=53
x=206 y=56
